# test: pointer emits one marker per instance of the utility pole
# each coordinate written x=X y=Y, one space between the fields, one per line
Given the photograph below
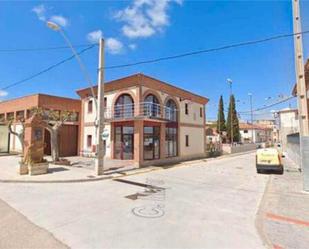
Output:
x=230 y=82
x=250 y=95
x=99 y=120
x=301 y=95
x=99 y=161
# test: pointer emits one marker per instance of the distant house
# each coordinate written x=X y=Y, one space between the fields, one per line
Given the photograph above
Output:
x=270 y=123
x=255 y=133
x=288 y=124
x=212 y=135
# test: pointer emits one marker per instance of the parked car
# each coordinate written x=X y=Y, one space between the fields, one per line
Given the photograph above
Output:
x=269 y=159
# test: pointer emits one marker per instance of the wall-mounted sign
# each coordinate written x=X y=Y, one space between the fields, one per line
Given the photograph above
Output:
x=105 y=134
x=38 y=134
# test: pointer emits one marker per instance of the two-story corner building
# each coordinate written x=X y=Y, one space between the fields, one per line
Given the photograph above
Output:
x=147 y=121
x=20 y=108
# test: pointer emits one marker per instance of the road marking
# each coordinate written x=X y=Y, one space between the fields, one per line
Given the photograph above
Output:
x=287 y=219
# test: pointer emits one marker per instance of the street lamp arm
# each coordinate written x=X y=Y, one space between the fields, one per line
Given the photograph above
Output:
x=81 y=65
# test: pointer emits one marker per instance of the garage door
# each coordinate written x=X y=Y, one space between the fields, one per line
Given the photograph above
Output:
x=68 y=139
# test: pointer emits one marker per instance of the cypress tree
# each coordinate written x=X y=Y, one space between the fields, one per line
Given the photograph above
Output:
x=221 y=118
x=235 y=121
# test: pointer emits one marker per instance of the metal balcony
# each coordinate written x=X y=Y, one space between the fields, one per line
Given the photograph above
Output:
x=141 y=110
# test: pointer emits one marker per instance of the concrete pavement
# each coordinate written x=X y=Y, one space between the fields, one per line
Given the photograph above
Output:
x=206 y=205
x=16 y=231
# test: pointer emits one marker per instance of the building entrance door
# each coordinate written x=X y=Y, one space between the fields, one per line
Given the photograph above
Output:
x=124 y=142
x=127 y=153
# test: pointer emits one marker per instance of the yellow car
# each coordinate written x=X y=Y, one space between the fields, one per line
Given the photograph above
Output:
x=268 y=159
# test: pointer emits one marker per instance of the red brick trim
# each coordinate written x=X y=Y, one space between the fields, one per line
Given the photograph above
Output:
x=147 y=81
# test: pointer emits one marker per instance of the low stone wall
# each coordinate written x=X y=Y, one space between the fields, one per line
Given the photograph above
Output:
x=228 y=149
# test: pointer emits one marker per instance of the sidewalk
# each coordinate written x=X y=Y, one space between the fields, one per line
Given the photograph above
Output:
x=82 y=169
x=283 y=219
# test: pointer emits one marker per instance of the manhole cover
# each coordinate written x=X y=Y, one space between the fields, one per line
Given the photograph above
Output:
x=148 y=211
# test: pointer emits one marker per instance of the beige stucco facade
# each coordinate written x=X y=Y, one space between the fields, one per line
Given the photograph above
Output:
x=189 y=125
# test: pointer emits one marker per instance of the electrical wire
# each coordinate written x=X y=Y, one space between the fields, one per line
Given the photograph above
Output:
x=148 y=61
x=205 y=51
x=46 y=69
x=13 y=50
x=268 y=106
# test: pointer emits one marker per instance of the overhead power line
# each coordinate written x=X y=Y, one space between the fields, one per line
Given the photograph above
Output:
x=13 y=50
x=241 y=44
x=268 y=106
x=46 y=69
x=151 y=60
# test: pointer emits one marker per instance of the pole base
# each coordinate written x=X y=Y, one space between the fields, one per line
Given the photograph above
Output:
x=98 y=167
x=305 y=161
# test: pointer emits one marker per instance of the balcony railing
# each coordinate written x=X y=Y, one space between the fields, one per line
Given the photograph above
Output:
x=141 y=110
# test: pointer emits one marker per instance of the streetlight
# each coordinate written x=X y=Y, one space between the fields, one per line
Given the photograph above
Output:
x=99 y=119
x=230 y=82
x=250 y=96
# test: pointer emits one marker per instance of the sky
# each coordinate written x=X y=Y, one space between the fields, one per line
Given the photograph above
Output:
x=139 y=30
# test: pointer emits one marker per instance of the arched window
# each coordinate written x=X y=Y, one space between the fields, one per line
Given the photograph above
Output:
x=152 y=106
x=171 y=110
x=124 y=107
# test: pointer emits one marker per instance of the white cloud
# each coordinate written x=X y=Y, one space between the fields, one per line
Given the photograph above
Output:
x=113 y=46
x=3 y=93
x=143 y=18
x=60 y=20
x=40 y=11
x=95 y=36
x=132 y=46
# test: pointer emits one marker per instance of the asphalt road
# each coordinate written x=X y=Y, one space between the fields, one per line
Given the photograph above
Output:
x=209 y=204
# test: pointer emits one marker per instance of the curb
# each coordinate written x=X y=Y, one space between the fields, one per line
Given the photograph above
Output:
x=259 y=224
x=129 y=172
x=81 y=180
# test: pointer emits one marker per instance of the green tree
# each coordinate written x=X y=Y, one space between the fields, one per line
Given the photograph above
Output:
x=221 y=118
x=232 y=111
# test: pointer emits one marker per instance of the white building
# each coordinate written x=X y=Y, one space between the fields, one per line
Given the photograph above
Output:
x=288 y=124
x=255 y=133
